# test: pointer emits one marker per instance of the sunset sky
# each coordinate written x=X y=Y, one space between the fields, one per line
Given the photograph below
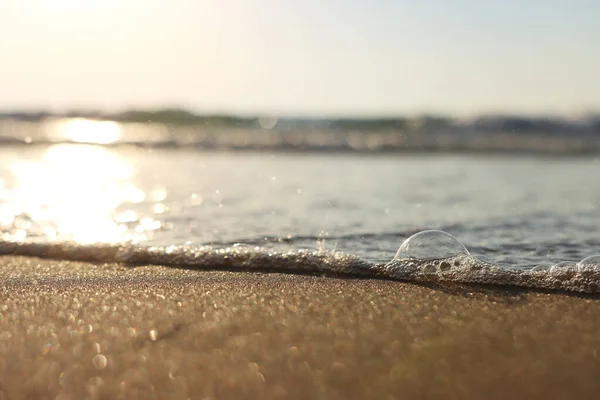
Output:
x=336 y=57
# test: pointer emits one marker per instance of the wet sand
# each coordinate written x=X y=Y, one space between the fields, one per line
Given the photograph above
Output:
x=72 y=330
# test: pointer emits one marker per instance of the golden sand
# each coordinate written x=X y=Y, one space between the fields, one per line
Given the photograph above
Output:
x=71 y=330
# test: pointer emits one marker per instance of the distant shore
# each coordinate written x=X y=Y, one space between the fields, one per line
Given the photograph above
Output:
x=415 y=136
x=421 y=123
x=175 y=128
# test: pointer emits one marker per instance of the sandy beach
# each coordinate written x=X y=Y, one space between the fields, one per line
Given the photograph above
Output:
x=71 y=330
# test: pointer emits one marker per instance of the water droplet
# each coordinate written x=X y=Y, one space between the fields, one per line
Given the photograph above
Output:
x=430 y=245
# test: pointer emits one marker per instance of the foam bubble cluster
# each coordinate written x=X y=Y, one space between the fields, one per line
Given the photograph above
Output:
x=589 y=264
x=432 y=255
x=439 y=256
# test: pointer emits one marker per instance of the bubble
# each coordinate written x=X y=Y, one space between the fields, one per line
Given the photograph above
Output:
x=429 y=269
x=589 y=264
x=445 y=266
x=431 y=245
x=267 y=121
x=541 y=268
x=473 y=267
x=564 y=266
x=564 y=270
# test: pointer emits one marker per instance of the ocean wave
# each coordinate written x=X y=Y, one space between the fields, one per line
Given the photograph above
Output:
x=427 y=256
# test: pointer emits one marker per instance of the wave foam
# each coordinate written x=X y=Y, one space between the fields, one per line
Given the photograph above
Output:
x=428 y=256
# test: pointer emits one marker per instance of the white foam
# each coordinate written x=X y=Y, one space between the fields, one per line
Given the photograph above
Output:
x=458 y=265
x=429 y=256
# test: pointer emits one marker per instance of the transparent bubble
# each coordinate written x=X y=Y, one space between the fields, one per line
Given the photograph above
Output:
x=564 y=270
x=591 y=263
x=564 y=265
x=541 y=268
x=429 y=269
x=430 y=245
x=267 y=121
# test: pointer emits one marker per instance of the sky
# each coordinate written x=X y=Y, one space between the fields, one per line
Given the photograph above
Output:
x=310 y=57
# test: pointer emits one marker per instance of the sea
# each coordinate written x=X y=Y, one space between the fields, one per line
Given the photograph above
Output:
x=101 y=191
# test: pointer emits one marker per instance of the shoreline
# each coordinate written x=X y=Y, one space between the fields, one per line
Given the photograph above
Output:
x=82 y=330
x=578 y=151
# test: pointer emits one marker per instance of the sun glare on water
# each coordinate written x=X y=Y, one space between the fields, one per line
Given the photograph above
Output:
x=72 y=192
x=90 y=131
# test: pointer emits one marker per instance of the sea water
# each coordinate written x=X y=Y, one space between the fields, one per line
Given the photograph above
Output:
x=523 y=220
